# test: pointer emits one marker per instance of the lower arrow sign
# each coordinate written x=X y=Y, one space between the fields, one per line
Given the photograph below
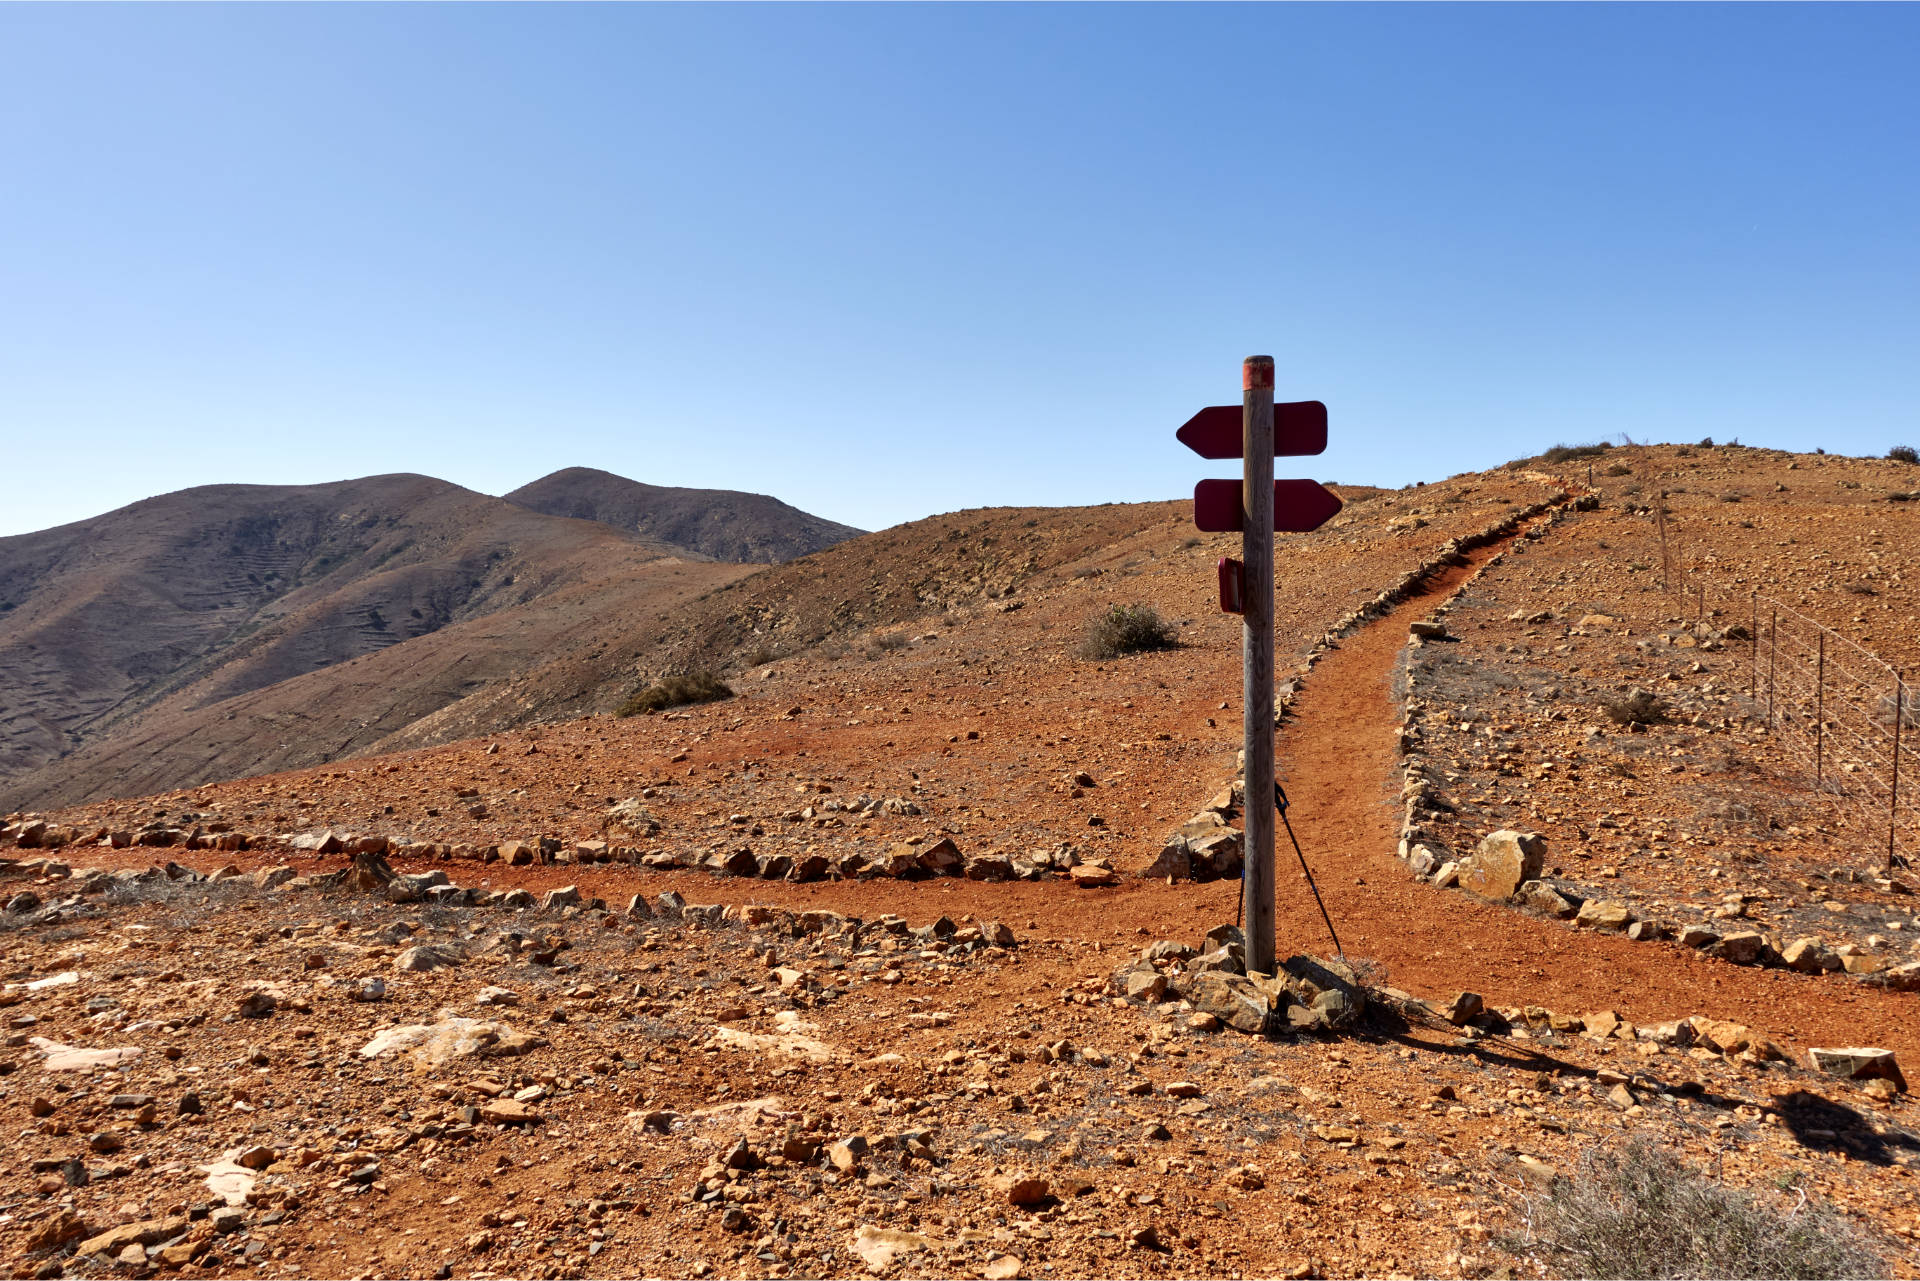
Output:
x=1298 y=506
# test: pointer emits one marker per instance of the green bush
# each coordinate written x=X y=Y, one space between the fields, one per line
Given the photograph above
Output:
x=1638 y=1211
x=676 y=691
x=1128 y=629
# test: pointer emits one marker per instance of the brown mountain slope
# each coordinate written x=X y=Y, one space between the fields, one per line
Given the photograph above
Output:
x=200 y=596
x=722 y=523
x=582 y=647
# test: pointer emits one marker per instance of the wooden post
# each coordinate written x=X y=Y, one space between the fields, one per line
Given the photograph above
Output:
x=1773 y=661
x=1256 y=887
x=1660 y=517
x=1820 y=714
x=1893 y=789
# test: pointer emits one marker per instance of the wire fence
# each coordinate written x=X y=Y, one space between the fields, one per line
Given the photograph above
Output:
x=1838 y=709
x=1847 y=717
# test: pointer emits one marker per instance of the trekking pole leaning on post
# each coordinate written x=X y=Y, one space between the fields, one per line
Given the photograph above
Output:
x=1280 y=804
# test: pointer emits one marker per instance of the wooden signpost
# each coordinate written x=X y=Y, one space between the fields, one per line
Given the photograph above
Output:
x=1257 y=505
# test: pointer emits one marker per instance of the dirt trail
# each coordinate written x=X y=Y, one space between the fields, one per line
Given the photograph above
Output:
x=1339 y=758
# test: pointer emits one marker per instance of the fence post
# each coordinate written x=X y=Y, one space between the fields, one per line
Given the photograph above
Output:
x=1820 y=714
x=1773 y=660
x=1893 y=790
x=1666 y=562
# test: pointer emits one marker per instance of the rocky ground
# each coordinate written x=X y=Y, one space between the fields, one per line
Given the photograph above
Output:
x=566 y=1090
x=933 y=1019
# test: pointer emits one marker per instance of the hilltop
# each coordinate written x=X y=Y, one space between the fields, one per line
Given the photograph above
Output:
x=239 y=615
x=721 y=524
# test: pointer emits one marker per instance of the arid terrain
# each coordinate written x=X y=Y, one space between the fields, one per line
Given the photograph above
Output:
x=915 y=957
x=236 y=628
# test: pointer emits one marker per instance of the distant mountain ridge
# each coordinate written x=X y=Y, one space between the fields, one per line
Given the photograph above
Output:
x=213 y=609
x=723 y=524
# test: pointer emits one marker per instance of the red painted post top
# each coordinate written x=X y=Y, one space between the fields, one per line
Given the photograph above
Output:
x=1256 y=373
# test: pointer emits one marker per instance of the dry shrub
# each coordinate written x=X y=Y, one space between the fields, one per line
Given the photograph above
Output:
x=1619 y=469
x=1904 y=454
x=1567 y=453
x=1128 y=629
x=1640 y=707
x=676 y=691
x=1638 y=1211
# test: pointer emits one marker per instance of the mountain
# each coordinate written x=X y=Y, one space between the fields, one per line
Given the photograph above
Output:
x=721 y=524
x=184 y=603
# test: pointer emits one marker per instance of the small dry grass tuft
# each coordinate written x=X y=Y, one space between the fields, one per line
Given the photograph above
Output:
x=1128 y=629
x=1637 y=708
x=1638 y=1211
x=677 y=691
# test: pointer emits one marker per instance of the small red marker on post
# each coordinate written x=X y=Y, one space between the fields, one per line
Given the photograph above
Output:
x=1257 y=505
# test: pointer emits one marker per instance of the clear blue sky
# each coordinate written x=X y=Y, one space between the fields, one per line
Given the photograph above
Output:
x=887 y=261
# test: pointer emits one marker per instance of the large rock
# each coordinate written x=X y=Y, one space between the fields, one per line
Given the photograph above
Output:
x=1859 y=1063
x=1231 y=998
x=1601 y=914
x=1719 y=1036
x=1217 y=853
x=1019 y=1189
x=1809 y=956
x=989 y=867
x=1173 y=862
x=272 y=878
x=942 y=858
x=1546 y=898
x=433 y=1044
x=1502 y=863
x=426 y=958
x=901 y=859
x=1329 y=991
x=631 y=817
x=145 y=1233
x=809 y=867
x=1744 y=948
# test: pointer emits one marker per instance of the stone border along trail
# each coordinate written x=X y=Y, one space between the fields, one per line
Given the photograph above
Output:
x=1339 y=757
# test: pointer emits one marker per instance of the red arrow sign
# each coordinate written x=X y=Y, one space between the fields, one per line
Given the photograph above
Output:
x=1216 y=432
x=1298 y=506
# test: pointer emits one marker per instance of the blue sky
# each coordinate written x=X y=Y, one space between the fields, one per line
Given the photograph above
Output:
x=886 y=261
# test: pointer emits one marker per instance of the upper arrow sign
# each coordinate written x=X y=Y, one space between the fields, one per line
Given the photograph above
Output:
x=1219 y=506
x=1299 y=427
